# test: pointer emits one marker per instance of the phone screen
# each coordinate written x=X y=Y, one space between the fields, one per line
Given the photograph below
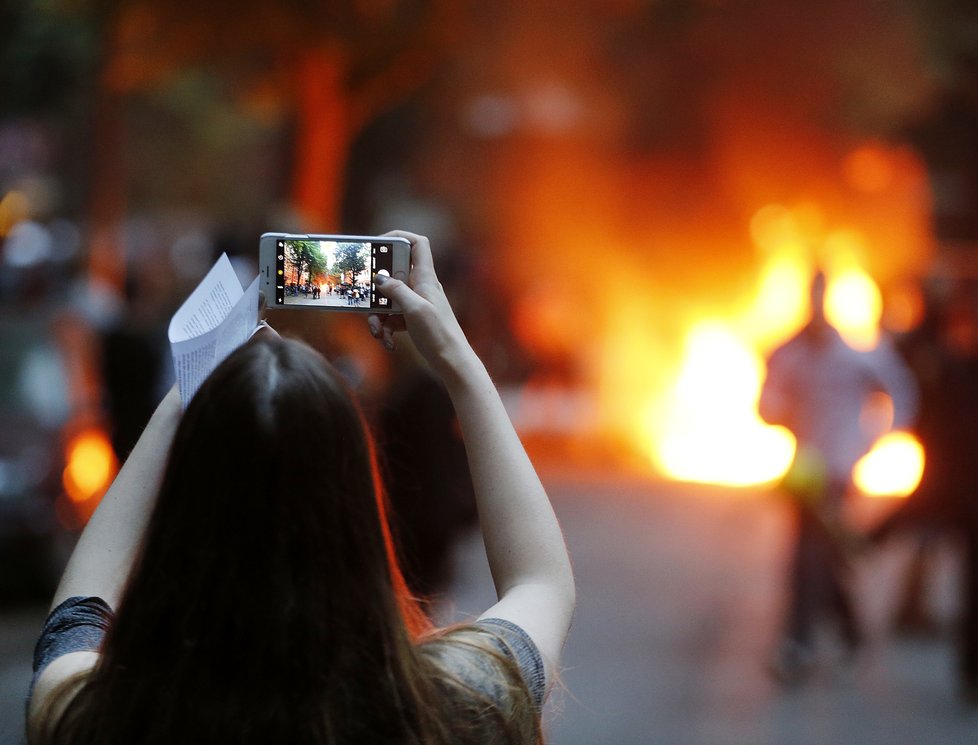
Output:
x=335 y=274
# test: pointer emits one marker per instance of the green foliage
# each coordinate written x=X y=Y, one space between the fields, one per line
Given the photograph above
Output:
x=317 y=261
x=305 y=256
x=192 y=118
x=350 y=261
x=45 y=53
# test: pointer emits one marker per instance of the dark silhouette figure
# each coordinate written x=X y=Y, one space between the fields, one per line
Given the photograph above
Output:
x=943 y=352
x=427 y=477
x=817 y=386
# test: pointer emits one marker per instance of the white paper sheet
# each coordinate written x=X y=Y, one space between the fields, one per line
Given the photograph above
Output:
x=215 y=320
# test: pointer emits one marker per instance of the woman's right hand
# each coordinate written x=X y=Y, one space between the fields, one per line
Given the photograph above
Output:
x=426 y=313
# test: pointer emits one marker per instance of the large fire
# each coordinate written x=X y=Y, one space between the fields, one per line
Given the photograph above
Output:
x=678 y=364
x=707 y=428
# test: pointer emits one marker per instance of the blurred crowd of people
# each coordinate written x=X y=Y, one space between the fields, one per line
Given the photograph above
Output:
x=74 y=349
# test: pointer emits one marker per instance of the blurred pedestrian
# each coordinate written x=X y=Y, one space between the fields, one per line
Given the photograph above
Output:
x=817 y=386
x=136 y=369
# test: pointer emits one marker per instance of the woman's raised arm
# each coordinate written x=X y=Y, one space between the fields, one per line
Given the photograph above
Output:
x=524 y=544
x=105 y=551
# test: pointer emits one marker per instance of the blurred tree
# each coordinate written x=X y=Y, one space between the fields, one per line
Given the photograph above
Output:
x=305 y=256
x=349 y=261
x=326 y=67
x=323 y=70
x=43 y=57
x=47 y=57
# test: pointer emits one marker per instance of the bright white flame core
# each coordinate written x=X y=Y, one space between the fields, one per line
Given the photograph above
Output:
x=854 y=305
x=708 y=430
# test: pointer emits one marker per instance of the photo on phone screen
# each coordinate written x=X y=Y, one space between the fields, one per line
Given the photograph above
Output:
x=331 y=273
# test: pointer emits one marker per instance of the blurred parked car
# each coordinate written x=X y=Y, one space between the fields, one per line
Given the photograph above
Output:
x=33 y=412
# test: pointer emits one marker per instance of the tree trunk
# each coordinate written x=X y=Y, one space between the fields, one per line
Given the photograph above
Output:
x=322 y=139
x=107 y=205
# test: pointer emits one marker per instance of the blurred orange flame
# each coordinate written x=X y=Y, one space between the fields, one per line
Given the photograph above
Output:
x=892 y=468
x=91 y=466
x=868 y=168
x=14 y=207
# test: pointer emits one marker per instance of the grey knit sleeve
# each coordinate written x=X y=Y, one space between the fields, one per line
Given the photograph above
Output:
x=516 y=643
x=76 y=625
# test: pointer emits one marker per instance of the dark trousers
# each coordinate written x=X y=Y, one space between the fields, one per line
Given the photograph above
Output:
x=819 y=574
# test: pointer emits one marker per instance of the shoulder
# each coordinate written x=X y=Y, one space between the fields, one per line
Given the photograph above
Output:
x=887 y=355
x=788 y=351
x=511 y=640
x=65 y=654
x=493 y=657
x=78 y=624
x=55 y=688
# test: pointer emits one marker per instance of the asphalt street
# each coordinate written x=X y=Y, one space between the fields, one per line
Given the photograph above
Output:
x=679 y=606
x=679 y=593
x=326 y=301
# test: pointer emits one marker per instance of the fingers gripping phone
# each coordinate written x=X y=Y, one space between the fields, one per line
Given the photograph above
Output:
x=330 y=272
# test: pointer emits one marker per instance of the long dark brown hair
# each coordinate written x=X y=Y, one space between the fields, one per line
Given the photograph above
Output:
x=266 y=605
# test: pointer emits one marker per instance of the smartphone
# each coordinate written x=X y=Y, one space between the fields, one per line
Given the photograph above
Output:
x=330 y=272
